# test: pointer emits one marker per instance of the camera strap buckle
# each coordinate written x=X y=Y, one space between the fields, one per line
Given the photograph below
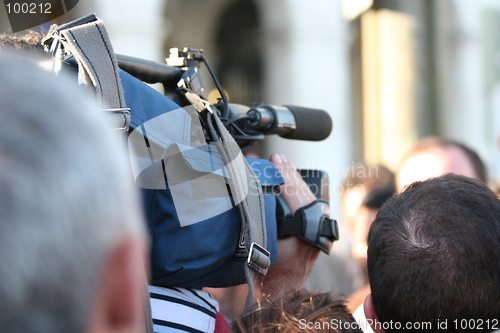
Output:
x=259 y=258
x=199 y=103
x=118 y=118
x=311 y=224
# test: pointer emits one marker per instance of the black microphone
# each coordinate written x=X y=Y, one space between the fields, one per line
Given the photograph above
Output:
x=291 y=122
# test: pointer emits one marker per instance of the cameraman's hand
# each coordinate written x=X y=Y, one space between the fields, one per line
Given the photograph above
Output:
x=296 y=257
x=295 y=191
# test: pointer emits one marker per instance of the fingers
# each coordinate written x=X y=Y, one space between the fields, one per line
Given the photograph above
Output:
x=295 y=190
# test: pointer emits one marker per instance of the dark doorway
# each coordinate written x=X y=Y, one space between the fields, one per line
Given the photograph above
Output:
x=239 y=66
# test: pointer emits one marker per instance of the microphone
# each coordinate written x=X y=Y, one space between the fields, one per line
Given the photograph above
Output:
x=291 y=122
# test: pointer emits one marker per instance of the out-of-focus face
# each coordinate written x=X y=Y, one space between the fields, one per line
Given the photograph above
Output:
x=363 y=220
x=358 y=219
x=433 y=162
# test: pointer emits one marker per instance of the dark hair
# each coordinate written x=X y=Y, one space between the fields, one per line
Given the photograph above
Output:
x=298 y=311
x=472 y=156
x=368 y=175
x=379 y=183
x=434 y=253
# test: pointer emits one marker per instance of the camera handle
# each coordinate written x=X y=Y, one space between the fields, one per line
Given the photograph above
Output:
x=310 y=223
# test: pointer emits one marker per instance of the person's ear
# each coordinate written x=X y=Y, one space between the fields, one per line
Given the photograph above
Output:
x=122 y=286
x=370 y=314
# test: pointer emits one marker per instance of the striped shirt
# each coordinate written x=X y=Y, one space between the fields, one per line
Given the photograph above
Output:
x=176 y=310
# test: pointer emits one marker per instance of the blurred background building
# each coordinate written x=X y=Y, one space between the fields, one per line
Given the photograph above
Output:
x=387 y=71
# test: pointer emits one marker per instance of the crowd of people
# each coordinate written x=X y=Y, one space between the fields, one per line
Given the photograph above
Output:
x=75 y=248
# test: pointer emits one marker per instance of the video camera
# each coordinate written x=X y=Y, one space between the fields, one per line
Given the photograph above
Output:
x=183 y=87
x=182 y=83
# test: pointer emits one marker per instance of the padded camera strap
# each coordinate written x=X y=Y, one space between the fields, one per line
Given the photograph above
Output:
x=97 y=66
x=251 y=204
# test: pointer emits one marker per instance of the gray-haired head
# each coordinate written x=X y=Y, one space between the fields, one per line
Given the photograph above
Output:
x=66 y=196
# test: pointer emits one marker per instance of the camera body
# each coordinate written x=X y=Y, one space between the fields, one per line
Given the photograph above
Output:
x=153 y=117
